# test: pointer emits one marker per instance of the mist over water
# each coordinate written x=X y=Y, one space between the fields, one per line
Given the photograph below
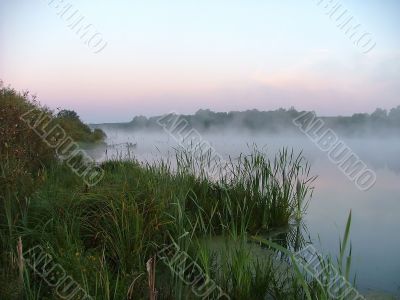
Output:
x=375 y=225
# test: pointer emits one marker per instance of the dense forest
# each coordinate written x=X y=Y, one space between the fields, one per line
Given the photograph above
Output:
x=277 y=121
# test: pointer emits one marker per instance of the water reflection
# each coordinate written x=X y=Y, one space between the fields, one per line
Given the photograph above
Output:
x=293 y=238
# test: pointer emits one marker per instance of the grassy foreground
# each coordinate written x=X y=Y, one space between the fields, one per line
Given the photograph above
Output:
x=107 y=237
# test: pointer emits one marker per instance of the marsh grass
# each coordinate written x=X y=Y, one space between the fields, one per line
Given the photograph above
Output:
x=104 y=235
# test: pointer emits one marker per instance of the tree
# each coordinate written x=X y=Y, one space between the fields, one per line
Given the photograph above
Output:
x=65 y=113
x=99 y=135
x=379 y=114
x=394 y=113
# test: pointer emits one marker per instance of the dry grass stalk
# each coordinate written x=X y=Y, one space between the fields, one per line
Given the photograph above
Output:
x=151 y=270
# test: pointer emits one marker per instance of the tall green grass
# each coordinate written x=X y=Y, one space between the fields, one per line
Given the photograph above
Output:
x=104 y=235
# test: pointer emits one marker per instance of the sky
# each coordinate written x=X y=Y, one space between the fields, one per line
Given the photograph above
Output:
x=161 y=56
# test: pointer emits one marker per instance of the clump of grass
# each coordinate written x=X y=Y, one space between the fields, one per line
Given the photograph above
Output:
x=255 y=193
x=278 y=188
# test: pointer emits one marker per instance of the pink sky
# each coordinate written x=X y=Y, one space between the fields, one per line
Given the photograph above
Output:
x=184 y=56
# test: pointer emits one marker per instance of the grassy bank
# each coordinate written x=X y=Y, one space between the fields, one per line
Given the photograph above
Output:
x=106 y=237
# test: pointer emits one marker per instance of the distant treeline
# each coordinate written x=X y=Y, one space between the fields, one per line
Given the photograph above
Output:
x=379 y=122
